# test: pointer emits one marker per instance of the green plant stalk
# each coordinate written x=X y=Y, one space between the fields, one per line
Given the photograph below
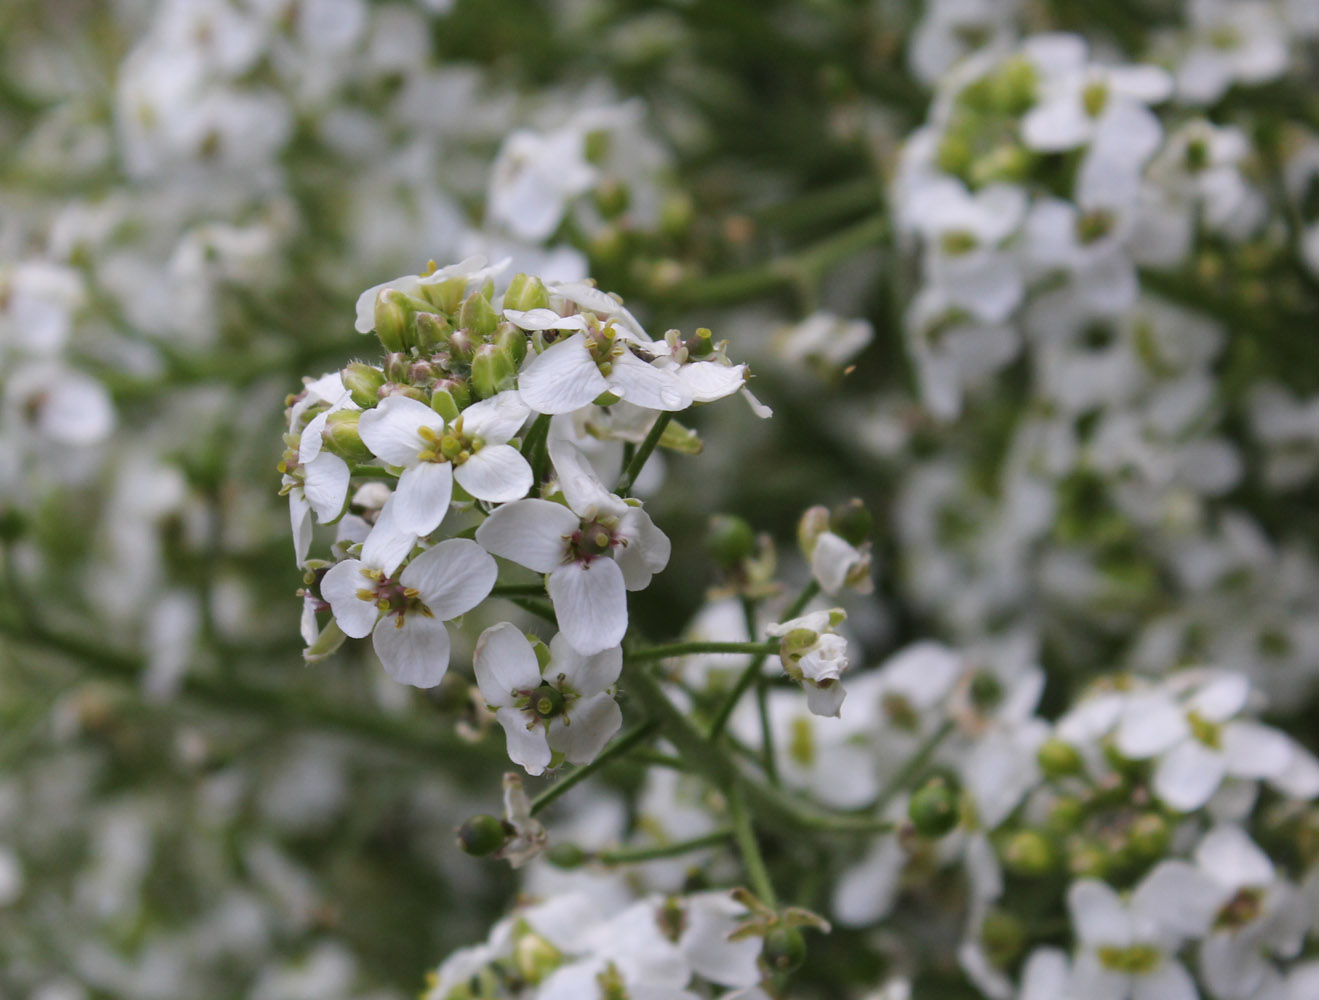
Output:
x=637 y=734
x=639 y=459
x=754 y=862
x=650 y=653
x=625 y=856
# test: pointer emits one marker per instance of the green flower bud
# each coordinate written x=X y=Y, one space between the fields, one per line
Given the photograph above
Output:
x=446 y=296
x=493 y=370
x=676 y=215
x=1149 y=836
x=392 y=319
x=611 y=197
x=1058 y=759
x=730 y=541
x=852 y=522
x=1009 y=164
x=482 y=835
x=934 y=809
x=566 y=856
x=814 y=523
x=511 y=340
x=1066 y=814
x=526 y=292
x=431 y=330
x=1005 y=937
x=784 y=949
x=463 y=344
x=1086 y=859
x=1029 y=853
x=606 y=399
x=443 y=403
x=535 y=957
x=397 y=367
x=341 y=436
x=478 y=315
x=363 y=382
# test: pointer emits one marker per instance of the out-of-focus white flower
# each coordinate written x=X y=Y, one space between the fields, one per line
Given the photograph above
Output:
x=815 y=656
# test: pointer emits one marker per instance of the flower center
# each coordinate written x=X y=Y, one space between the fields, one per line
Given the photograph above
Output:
x=450 y=445
x=547 y=701
x=1243 y=908
x=1134 y=960
x=593 y=539
x=1208 y=733
x=392 y=597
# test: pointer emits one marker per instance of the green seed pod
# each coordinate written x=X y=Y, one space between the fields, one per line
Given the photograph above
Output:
x=535 y=957
x=363 y=382
x=784 y=949
x=566 y=856
x=481 y=835
x=934 y=808
x=730 y=541
x=526 y=292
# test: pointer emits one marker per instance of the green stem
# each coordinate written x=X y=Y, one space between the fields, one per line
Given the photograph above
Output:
x=753 y=668
x=914 y=765
x=533 y=447
x=371 y=472
x=629 y=855
x=541 y=609
x=767 y=756
x=638 y=733
x=638 y=462
x=518 y=590
x=663 y=652
x=752 y=859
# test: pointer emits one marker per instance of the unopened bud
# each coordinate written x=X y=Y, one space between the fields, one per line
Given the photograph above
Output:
x=526 y=292
x=730 y=541
x=363 y=383
x=566 y=856
x=612 y=198
x=482 y=835
x=341 y=436
x=535 y=957
x=492 y=371
x=851 y=521
x=1065 y=814
x=397 y=365
x=478 y=315
x=1004 y=936
x=446 y=296
x=676 y=215
x=1058 y=759
x=1149 y=835
x=813 y=524
x=392 y=319
x=934 y=809
x=1029 y=853
x=463 y=344
x=431 y=330
x=1086 y=859
x=510 y=339
x=784 y=949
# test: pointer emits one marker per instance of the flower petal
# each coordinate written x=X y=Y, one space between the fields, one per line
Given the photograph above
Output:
x=1220 y=697
x=643 y=384
x=390 y=429
x=452 y=578
x=504 y=662
x=581 y=488
x=1150 y=724
x=543 y=319
x=1229 y=855
x=645 y=549
x=1189 y=774
x=496 y=419
x=423 y=496
x=586 y=675
x=325 y=484
x=706 y=381
x=1098 y=916
x=497 y=473
x=590 y=603
x=414 y=649
x=388 y=544
x=1255 y=751
x=339 y=587
x=562 y=378
x=594 y=722
x=527 y=746
x=531 y=533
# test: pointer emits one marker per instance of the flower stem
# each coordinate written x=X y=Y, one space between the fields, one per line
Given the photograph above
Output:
x=629 y=855
x=663 y=652
x=752 y=859
x=752 y=670
x=533 y=447
x=914 y=765
x=638 y=462
x=518 y=590
x=641 y=731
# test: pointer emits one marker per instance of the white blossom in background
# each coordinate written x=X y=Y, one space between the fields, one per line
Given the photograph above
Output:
x=815 y=656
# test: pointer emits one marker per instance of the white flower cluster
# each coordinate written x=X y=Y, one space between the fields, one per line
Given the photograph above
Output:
x=467 y=373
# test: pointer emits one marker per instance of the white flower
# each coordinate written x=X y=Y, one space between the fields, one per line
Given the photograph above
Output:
x=314 y=478
x=815 y=656
x=824 y=341
x=1127 y=948
x=836 y=563
x=534 y=178
x=595 y=549
x=1197 y=738
x=1233 y=41
x=1255 y=914
x=571 y=373
x=473 y=450
x=563 y=708
x=406 y=615
x=528 y=836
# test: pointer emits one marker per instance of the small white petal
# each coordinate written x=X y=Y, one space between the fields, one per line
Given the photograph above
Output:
x=581 y=673
x=1170 y=981
x=415 y=652
x=526 y=746
x=645 y=551
x=581 y=488
x=1177 y=897
x=1233 y=859
x=831 y=560
x=594 y=722
x=497 y=473
x=1150 y=725
x=423 y=496
x=300 y=520
x=1231 y=964
x=504 y=662
x=562 y=378
x=543 y=319
x=825 y=701
x=643 y=384
x=1188 y=775
x=390 y=429
x=531 y=533
x=706 y=381
x=1300 y=779
x=1221 y=697
x=388 y=544
x=1254 y=750
x=339 y=587
x=452 y=578
x=1098 y=916
x=496 y=419
x=325 y=484
x=590 y=603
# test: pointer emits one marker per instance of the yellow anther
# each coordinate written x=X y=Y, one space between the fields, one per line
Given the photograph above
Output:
x=366 y=595
x=410 y=592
